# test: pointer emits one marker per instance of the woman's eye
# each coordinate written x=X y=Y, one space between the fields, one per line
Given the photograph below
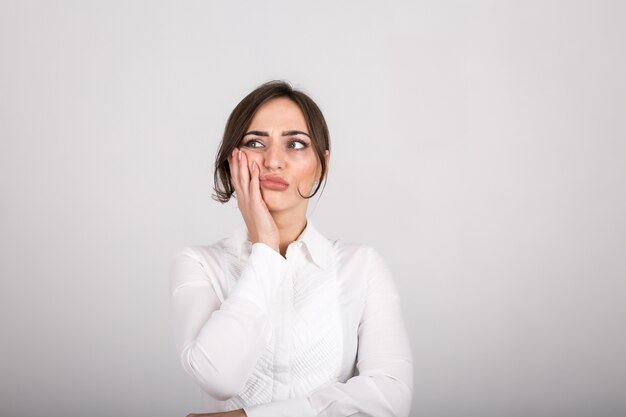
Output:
x=301 y=145
x=248 y=143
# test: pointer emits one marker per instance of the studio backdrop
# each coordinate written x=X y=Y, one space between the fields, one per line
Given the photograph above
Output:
x=479 y=146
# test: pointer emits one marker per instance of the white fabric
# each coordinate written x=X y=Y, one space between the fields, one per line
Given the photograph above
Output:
x=318 y=332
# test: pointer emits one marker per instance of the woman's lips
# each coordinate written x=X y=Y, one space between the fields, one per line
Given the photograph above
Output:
x=273 y=185
x=273 y=182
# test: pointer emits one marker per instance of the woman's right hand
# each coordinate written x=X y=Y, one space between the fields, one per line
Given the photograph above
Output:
x=234 y=413
x=259 y=221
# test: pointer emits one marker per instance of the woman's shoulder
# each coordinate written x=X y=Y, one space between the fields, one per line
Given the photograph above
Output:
x=349 y=250
x=200 y=265
x=207 y=254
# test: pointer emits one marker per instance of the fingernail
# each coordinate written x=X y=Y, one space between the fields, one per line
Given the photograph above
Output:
x=253 y=166
x=239 y=155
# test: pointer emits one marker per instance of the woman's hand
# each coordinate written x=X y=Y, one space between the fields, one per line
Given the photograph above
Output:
x=234 y=413
x=259 y=221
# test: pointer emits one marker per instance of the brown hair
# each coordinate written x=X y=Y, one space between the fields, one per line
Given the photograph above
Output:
x=242 y=115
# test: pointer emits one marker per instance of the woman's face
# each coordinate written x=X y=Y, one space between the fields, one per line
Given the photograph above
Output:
x=278 y=140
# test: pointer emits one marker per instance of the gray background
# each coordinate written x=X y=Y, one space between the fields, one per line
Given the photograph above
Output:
x=479 y=146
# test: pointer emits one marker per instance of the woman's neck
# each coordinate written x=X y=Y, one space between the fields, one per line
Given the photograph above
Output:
x=289 y=226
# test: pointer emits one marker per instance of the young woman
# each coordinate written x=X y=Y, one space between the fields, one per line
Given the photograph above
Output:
x=276 y=319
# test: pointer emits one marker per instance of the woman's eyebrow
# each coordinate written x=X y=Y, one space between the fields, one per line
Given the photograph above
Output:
x=285 y=133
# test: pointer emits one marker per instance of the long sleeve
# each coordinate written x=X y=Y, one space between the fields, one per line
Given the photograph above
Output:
x=384 y=384
x=220 y=342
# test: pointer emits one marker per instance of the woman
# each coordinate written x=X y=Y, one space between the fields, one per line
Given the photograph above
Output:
x=276 y=319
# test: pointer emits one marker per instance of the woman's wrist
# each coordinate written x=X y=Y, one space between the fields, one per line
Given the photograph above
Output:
x=272 y=243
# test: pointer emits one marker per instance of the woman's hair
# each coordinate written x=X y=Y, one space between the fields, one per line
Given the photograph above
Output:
x=240 y=119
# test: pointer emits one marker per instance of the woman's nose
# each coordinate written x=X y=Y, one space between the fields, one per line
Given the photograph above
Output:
x=274 y=157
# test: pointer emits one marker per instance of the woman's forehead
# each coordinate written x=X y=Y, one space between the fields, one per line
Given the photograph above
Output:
x=279 y=113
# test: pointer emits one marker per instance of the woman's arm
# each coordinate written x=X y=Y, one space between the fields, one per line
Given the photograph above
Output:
x=220 y=342
x=384 y=386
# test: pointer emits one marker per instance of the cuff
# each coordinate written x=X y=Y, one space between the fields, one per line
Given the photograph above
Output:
x=261 y=276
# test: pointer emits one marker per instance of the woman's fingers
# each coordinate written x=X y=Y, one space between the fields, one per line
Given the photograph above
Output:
x=267 y=232
x=234 y=171
x=255 y=190
x=244 y=173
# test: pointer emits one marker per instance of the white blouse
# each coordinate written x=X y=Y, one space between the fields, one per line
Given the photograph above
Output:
x=318 y=332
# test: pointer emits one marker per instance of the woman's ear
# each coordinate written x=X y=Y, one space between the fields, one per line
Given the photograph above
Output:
x=327 y=156
x=319 y=167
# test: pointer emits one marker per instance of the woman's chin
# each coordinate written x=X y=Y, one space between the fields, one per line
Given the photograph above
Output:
x=276 y=208
x=276 y=205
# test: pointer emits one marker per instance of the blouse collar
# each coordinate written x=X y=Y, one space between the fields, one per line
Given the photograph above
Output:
x=317 y=245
